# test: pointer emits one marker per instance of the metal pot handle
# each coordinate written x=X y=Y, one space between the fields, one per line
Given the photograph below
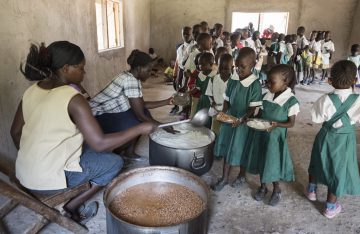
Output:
x=198 y=161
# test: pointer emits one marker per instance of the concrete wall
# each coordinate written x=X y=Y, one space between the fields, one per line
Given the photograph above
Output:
x=355 y=32
x=23 y=22
x=168 y=17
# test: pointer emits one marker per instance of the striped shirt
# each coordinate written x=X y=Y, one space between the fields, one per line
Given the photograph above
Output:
x=114 y=98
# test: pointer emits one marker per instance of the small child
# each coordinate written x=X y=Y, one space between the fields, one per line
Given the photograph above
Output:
x=169 y=71
x=193 y=92
x=242 y=97
x=272 y=160
x=235 y=41
x=282 y=48
x=226 y=40
x=219 y=52
x=355 y=58
x=307 y=58
x=327 y=49
x=333 y=157
x=216 y=89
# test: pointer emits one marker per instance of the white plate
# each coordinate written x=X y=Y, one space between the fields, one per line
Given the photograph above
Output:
x=259 y=124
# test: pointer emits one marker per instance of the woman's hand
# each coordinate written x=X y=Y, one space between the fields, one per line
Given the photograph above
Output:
x=149 y=127
x=170 y=100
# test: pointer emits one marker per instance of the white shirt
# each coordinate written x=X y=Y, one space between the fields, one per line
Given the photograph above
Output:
x=219 y=42
x=182 y=54
x=289 y=51
x=216 y=89
x=282 y=46
x=355 y=59
x=302 y=42
x=282 y=99
x=323 y=109
x=327 y=45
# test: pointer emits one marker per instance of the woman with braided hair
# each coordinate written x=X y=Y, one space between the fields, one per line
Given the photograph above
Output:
x=60 y=143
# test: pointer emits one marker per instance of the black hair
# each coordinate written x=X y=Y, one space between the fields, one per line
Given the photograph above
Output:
x=197 y=58
x=186 y=28
x=287 y=72
x=202 y=37
x=301 y=29
x=246 y=52
x=355 y=47
x=42 y=62
x=226 y=58
x=204 y=24
x=342 y=74
x=235 y=36
x=218 y=25
x=151 y=50
x=207 y=58
x=254 y=35
x=138 y=58
x=221 y=50
x=226 y=34
x=288 y=39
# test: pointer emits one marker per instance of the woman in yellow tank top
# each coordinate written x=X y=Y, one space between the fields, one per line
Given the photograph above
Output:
x=52 y=124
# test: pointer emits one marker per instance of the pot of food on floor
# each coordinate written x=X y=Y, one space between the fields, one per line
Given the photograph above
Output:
x=190 y=149
x=157 y=199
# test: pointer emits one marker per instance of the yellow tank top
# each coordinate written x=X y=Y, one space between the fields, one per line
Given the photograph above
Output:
x=50 y=142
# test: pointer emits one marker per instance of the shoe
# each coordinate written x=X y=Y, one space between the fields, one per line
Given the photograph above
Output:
x=88 y=211
x=311 y=195
x=239 y=182
x=260 y=194
x=174 y=110
x=219 y=185
x=275 y=198
x=332 y=212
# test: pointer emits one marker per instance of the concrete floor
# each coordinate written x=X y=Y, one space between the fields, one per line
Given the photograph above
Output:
x=234 y=210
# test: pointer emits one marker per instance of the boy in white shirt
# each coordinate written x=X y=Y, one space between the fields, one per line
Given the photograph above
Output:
x=327 y=49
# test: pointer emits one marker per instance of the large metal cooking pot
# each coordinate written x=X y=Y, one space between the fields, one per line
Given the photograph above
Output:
x=197 y=160
x=197 y=225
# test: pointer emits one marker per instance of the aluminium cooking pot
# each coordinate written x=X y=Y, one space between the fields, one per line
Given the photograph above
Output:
x=198 y=159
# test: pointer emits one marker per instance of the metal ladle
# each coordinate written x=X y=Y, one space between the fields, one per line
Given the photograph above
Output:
x=198 y=120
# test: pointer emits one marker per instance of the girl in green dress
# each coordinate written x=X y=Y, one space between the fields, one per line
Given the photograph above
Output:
x=242 y=97
x=333 y=157
x=272 y=160
x=207 y=73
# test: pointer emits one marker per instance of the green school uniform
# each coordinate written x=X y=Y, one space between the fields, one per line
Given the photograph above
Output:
x=240 y=95
x=268 y=152
x=201 y=84
x=333 y=157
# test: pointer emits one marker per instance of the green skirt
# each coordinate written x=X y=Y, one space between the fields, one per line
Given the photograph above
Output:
x=269 y=156
x=334 y=162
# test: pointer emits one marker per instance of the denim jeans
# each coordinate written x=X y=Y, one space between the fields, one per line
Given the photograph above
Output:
x=99 y=168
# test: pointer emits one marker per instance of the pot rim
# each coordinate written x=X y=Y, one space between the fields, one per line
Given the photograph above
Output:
x=150 y=168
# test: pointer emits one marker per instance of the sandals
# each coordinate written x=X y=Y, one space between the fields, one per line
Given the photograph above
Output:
x=88 y=211
x=219 y=185
x=260 y=194
x=239 y=182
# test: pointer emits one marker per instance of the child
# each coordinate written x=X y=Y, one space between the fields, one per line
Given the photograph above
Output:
x=255 y=43
x=169 y=71
x=216 y=89
x=219 y=52
x=316 y=48
x=203 y=41
x=282 y=48
x=272 y=160
x=286 y=57
x=273 y=51
x=235 y=41
x=327 y=49
x=301 y=42
x=333 y=157
x=218 y=31
x=194 y=93
x=242 y=96
x=207 y=73
x=263 y=69
x=355 y=58
x=306 y=56
x=226 y=40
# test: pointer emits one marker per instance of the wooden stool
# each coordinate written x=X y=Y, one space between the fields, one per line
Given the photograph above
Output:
x=42 y=205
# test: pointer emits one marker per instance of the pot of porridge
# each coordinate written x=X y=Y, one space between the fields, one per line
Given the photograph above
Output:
x=190 y=149
x=157 y=199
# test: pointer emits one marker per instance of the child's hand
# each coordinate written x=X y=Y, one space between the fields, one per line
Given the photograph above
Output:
x=273 y=125
x=170 y=100
x=237 y=122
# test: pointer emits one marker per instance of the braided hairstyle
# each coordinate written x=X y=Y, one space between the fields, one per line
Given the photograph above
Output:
x=138 y=58
x=343 y=74
x=287 y=72
x=42 y=62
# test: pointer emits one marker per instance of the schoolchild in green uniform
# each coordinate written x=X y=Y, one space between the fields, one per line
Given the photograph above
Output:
x=269 y=152
x=242 y=97
x=333 y=157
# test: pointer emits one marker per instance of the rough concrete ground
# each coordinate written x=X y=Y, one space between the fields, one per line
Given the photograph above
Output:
x=234 y=210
